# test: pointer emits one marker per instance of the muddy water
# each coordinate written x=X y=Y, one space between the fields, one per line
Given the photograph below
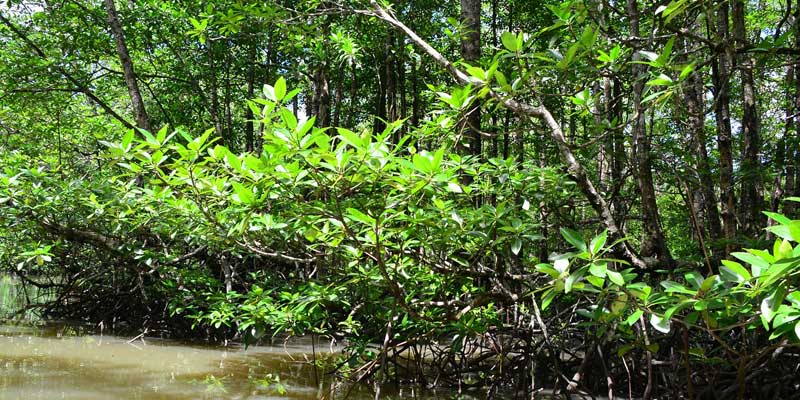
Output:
x=57 y=362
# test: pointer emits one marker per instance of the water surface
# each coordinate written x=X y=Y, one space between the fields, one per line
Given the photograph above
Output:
x=57 y=362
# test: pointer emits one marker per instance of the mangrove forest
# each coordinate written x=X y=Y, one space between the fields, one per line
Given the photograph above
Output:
x=499 y=199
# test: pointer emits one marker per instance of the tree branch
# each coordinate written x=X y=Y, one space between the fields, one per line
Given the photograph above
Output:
x=81 y=87
x=577 y=171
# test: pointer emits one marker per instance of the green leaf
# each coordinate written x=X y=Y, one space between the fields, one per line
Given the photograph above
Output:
x=548 y=297
x=596 y=281
x=477 y=73
x=598 y=269
x=663 y=58
x=148 y=136
x=588 y=37
x=771 y=303
x=779 y=218
x=678 y=307
x=797 y=329
x=732 y=271
x=686 y=71
x=161 y=135
x=794 y=229
x=422 y=163
x=660 y=324
x=516 y=246
x=454 y=187
x=280 y=89
x=782 y=231
x=570 y=281
x=574 y=238
x=675 y=8
x=709 y=282
x=615 y=277
x=127 y=140
x=561 y=265
x=634 y=317
x=758 y=263
x=598 y=242
x=288 y=118
x=509 y=41
x=548 y=269
x=694 y=278
x=350 y=137
x=234 y=161
x=648 y=55
x=269 y=93
x=359 y=216
x=243 y=194
x=662 y=80
x=782 y=249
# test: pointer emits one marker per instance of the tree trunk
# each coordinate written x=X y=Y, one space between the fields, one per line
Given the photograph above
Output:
x=249 y=131
x=227 y=99
x=693 y=98
x=784 y=152
x=653 y=240
x=321 y=100
x=214 y=97
x=619 y=157
x=337 y=104
x=137 y=103
x=415 y=103
x=722 y=113
x=750 y=207
x=353 y=95
x=380 y=99
x=793 y=134
x=471 y=53
x=389 y=78
x=400 y=67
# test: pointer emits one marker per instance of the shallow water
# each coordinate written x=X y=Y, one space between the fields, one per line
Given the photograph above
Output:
x=57 y=362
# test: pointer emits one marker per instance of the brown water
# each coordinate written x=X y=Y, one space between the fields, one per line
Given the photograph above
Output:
x=57 y=362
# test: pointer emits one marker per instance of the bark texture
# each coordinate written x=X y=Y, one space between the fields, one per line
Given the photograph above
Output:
x=653 y=240
x=722 y=113
x=137 y=103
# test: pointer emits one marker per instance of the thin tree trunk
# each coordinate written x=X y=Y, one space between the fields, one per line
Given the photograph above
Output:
x=415 y=103
x=389 y=80
x=321 y=99
x=227 y=100
x=653 y=240
x=782 y=162
x=402 y=110
x=722 y=113
x=214 y=97
x=137 y=103
x=337 y=104
x=471 y=53
x=693 y=98
x=619 y=157
x=249 y=131
x=353 y=95
x=380 y=99
x=793 y=134
x=751 y=200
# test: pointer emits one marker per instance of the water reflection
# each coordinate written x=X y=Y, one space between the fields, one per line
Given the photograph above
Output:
x=51 y=362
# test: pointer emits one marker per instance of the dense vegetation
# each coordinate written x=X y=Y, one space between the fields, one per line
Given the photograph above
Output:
x=506 y=195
